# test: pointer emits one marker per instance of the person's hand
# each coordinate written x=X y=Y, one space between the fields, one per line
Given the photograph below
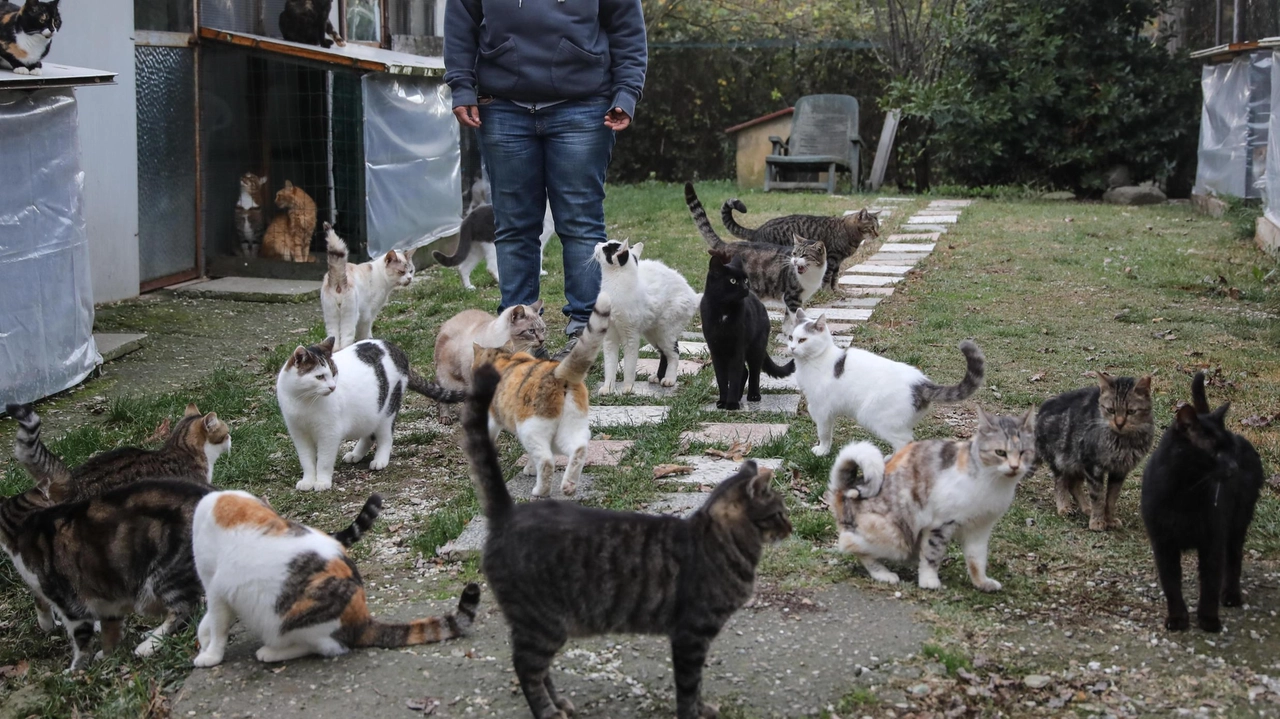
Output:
x=616 y=119
x=469 y=115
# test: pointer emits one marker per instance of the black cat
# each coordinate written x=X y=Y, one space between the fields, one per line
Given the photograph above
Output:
x=736 y=326
x=26 y=34
x=1198 y=492
x=307 y=21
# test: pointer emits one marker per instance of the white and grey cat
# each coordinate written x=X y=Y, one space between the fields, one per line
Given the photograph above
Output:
x=330 y=397
x=518 y=329
x=886 y=397
x=475 y=243
x=650 y=301
x=251 y=220
x=928 y=493
x=353 y=295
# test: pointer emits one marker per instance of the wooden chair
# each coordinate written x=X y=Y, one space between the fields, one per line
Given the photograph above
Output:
x=824 y=138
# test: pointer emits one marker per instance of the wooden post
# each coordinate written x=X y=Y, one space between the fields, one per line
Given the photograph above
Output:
x=883 y=149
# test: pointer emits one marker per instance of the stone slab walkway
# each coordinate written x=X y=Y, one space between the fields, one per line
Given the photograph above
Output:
x=616 y=416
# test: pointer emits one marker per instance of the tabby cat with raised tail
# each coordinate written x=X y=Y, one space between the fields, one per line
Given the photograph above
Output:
x=544 y=402
x=250 y=217
x=841 y=235
x=927 y=493
x=352 y=295
x=26 y=34
x=307 y=21
x=560 y=570
x=787 y=275
x=293 y=587
x=288 y=237
x=518 y=329
x=1094 y=437
x=1199 y=491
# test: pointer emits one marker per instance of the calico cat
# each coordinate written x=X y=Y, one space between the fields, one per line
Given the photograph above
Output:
x=653 y=302
x=886 y=397
x=928 y=492
x=475 y=243
x=1095 y=436
x=250 y=221
x=292 y=586
x=736 y=326
x=560 y=570
x=102 y=559
x=307 y=21
x=841 y=235
x=544 y=402
x=288 y=237
x=353 y=295
x=329 y=397
x=1198 y=492
x=517 y=329
x=787 y=275
x=26 y=34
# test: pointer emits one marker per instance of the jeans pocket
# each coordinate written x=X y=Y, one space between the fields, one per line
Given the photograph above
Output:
x=576 y=72
x=498 y=70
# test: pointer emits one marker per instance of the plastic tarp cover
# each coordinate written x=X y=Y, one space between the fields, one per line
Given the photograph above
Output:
x=46 y=298
x=1271 y=192
x=1234 y=126
x=412 y=162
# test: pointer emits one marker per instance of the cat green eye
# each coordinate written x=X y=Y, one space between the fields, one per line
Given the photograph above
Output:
x=320 y=377
x=733 y=282
x=1000 y=453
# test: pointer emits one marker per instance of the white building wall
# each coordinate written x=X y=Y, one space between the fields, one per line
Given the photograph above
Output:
x=99 y=35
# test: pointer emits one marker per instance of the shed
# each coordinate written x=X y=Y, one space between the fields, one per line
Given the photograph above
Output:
x=752 y=141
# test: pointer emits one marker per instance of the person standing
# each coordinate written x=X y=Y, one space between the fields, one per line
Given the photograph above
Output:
x=546 y=84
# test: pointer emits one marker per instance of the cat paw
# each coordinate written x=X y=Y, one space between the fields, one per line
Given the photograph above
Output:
x=709 y=711
x=322 y=485
x=566 y=706
x=669 y=381
x=35 y=71
x=929 y=582
x=821 y=450
x=20 y=70
x=47 y=624
x=541 y=489
x=1114 y=524
x=1232 y=598
x=753 y=397
x=379 y=463
x=606 y=388
x=1212 y=625
x=628 y=388
x=147 y=647
x=886 y=576
x=988 y=585
x=719 y=404
x=732 y=406
x=305 y=485
x=446 y=419
x=351 y=457
x=568 y=488
x=1097 y=525
x=207 y=659
x=1177 y=622
x=543 y=273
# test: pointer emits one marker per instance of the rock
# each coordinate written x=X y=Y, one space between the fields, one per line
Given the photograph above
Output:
x=1061 y=196
x=1119 y=176
x=1036 y=681
x=1134 y=195
x=920 y=690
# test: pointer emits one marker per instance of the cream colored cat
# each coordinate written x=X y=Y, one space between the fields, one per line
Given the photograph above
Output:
x=517 y=329
x=353 y=295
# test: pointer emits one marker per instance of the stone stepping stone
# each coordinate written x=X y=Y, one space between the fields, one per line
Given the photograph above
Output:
x=896 y=258
x=646 y=367
x=857 y=314
x=856 y=302
x=769 y=403
x=677 y=504
x=863 y=291
x=910 y=227
x=951 y=203
x=934 y=211
x=714 y=470
x=686 y=349
x=619 y=415
x=774 y=384
x=925 y=247
x=926 y=219
x=914 y=237
x=836 y=328
x=693 y=337
x=600 y=453
x=642 y=388
x=893 y=199
x=868 y=268
x=471 y=541
x=868 y=280
x=729 y=432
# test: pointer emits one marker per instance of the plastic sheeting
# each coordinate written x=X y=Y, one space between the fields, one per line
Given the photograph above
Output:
x=1271 y=193
x=1234 y=126
x=46 y=320
x=412 y=162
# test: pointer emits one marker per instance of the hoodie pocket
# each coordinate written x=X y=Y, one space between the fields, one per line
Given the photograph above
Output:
x=576 y=72
x=498 y=70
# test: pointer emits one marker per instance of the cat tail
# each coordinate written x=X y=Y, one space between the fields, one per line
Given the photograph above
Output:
x=43 y=465
x=573 y=369
x=975 y=362
x=419 y=384
x=363 y=521
x=336 y=251
x=422 y=631
x=482 y=455
x=700 y=217
x=857 y=457
x=772 y=368
x=1198 y=398
x=730 y=224
x=459 y=254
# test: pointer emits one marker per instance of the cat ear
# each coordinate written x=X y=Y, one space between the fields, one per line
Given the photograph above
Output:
x=1143 y=385
x=985 y=421
x=327 y=346
x=801 y=317
x=1185 y=418
x=517 y=313
x=191 y=410
x=1028 y=420
x=1220 y=414
x=820 y=324
x=210 y=421
x=636 y=249
x=263 y=179
x=408 y=255
x=298 y=357
x=536 y=307
x=288 y=185
x=1105 y=381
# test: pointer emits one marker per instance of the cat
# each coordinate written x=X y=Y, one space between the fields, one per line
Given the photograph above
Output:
x=928 y=492
x=653 y=302
x=26 y=34
x=480 y=194
x=544 y=402
x=307 y=21
x=886 y=397
x=250 y=221
x=787 y=275
x=1198 y=492
x=351 y=296
x=293 y=587
x=841 y=235
x=329 y=397
x=560 y=570
x=518 y=329
x=1095 y=436
x=736 y=327
x=475 y=243
x=288 y=237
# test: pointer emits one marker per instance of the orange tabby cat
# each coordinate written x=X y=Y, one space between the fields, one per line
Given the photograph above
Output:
x=289 y=235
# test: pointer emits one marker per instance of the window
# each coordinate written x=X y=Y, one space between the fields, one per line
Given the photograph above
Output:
x=364 y=21
x=164 y=15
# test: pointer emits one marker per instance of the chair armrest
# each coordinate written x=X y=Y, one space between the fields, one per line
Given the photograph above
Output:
x=779 y=145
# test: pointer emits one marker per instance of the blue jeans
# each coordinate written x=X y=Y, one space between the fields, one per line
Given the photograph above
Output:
x=558 y=153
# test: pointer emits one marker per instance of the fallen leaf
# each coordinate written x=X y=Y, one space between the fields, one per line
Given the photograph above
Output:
x=1157 y=319
x=1234 y=293
x=736 y=451
x=1036 y=377
x=1170 y=337
x=1274 y=481
x=14 y=670
x=1259 y=420
x=426 y=705
x=667 y=470
x=1193 y=353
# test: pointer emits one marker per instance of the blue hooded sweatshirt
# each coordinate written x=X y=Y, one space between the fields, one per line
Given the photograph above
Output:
x=545 y=50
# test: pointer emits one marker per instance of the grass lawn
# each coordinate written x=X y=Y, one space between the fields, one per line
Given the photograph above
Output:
x=1050 y=291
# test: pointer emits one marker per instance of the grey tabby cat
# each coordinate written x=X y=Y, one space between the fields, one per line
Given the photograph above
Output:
x=560 y=570
x=789 y=275
x=1096 y=436
x=841 y=235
